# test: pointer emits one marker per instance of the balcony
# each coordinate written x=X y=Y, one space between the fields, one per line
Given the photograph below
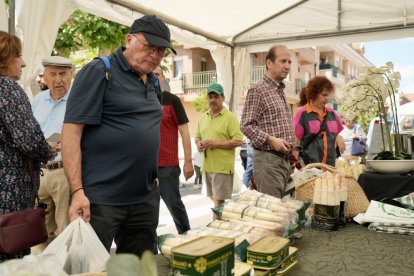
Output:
x=333 y=73
x=257 y=73
x=194 y=84
x=197 y=82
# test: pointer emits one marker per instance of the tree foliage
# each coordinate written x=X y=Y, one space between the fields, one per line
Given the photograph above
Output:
x=200 y=103
x=86 y=31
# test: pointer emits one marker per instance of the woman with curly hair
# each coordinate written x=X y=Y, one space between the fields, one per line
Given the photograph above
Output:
x=316 y=125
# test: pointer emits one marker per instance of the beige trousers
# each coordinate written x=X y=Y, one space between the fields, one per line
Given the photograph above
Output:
x=54 y=191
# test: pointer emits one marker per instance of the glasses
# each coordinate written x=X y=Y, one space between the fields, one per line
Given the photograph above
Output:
x=150 y=49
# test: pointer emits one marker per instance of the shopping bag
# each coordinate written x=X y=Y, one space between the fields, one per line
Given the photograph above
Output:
x=79 y=249
x=357 y=148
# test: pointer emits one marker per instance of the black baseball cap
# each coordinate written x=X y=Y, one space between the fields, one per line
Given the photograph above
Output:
x=154 y=30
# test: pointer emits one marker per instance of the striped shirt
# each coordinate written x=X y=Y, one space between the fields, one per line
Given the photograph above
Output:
x=267 y=113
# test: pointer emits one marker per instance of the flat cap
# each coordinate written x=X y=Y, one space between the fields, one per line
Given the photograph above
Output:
x=57 y=61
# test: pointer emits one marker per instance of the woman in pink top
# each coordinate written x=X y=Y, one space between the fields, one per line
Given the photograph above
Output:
x=317 y=126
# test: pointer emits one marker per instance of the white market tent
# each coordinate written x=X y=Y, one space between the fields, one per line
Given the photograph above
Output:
x=230 y=29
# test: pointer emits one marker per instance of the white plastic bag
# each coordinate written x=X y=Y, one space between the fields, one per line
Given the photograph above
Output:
x=79 y=249
x=33 y=265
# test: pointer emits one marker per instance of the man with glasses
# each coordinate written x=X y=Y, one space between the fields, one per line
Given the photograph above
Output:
x=111 y=137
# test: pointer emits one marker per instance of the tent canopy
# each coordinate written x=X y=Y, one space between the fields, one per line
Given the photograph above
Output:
x=230 y=29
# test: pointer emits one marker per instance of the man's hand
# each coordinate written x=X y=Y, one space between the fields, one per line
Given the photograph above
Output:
x=278 y=144
x=209 y=144
x=80 y=206
x=200 y=146
x=188 y=169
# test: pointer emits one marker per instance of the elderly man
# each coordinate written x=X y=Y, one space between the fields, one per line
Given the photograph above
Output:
x=49 y=109
x=218 y=134
x=111 y=138
x=267 y=122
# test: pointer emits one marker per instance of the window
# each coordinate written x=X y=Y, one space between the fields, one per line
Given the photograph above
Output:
x=178 y=68
x=203 y=65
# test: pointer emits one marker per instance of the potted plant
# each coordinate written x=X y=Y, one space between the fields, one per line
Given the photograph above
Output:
x=368 y=95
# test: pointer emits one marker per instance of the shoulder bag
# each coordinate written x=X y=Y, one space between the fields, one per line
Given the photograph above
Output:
x=310 y=140
x=358 y=147
x=23 y=229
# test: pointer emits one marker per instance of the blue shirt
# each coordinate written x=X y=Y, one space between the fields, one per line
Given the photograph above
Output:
x=49 y=113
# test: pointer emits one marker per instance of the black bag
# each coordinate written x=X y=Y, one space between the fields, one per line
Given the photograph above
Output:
x=23 y=229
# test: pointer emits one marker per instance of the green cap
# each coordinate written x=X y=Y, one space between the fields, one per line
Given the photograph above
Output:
x=215 y=88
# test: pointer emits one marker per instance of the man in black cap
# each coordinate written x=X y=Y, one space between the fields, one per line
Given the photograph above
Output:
x=111 y=137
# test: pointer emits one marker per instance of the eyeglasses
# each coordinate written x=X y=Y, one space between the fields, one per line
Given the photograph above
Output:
x=150 y=49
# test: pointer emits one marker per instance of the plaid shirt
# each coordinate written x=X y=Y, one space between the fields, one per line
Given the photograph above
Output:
x=267 y=113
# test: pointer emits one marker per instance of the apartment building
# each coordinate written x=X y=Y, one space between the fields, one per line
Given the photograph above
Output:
x=192 y=70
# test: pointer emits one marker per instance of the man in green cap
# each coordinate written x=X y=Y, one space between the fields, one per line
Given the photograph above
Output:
x=218 y=134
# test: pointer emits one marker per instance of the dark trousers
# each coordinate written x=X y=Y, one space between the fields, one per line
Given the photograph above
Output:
x=198 y=177
x=169 y=178
x=133 y=227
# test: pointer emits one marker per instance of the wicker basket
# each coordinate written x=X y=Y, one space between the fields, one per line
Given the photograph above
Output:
x=357 y=200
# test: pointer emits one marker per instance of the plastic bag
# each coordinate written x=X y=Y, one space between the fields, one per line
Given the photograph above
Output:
x=40 y=265
x=79 y=249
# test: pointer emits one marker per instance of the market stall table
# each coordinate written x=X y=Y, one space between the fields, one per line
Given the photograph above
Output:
x=353 y=250
x=378 y=186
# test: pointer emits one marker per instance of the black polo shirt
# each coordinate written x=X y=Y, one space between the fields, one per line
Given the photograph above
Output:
x=121 y=137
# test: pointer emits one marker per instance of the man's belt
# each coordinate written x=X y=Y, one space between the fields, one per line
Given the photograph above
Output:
x=285 y=156
x=52 y=165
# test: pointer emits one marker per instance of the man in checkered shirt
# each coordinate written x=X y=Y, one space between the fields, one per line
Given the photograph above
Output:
x=267 y=122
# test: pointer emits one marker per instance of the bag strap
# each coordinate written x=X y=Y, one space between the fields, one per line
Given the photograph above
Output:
x=107 y=64
x=32 y=178
x=312 y=138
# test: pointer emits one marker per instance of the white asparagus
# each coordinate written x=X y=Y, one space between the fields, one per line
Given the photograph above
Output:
x=324 y=192
x=317 y=191
x=344 y=190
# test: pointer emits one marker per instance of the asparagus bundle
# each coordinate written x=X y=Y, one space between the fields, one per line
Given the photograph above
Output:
x=269 y=202
x=259 y=217
x=330 y=189
x=167 y=242
x=240 y=226
x=349 y=168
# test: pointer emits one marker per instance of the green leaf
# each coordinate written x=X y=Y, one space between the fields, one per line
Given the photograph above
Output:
x=123 y=265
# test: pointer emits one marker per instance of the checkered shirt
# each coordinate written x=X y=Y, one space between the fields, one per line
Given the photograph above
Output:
x=266 y=112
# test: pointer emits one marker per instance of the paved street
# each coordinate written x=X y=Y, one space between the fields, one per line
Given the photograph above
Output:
x=198 y=205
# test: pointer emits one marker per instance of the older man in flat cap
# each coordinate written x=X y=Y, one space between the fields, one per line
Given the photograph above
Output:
x=111 y=137
x=49 y=109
